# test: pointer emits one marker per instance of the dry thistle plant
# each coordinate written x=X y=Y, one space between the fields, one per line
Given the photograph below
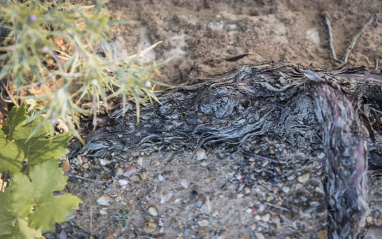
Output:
x=57 y=44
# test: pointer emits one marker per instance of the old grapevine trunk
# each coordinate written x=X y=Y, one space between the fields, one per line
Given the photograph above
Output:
x=279 y=116
x=346 y=164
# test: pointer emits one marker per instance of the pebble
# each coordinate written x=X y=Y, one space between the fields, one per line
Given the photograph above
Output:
x=321 y=155
x=122 y=182
x=303 y=178
x=104 y=162
x=203 y=223
x=184 y=183
x=198 y=204
x=259 y=235
x=258 y=218
x=130 y=171
x=150 y=227
x=140 y=161
x=104 y=200
x=119 y=171
x=103 y=211
x=249 y=210
x=153 y=211
x=261 y=207
x=286 y=189
x=291 y=177
x=275 y=190
x=275 y=219
x=266 y=217
x=144 y=175
x=166 y=197
x=201 y=154
x=160 y=177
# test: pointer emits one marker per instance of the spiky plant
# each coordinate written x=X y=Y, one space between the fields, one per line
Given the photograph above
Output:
x=55 y=45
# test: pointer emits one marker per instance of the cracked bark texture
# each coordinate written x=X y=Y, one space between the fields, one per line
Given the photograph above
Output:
x=303 y=110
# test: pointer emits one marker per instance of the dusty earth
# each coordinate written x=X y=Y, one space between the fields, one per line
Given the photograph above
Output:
x=172 y=194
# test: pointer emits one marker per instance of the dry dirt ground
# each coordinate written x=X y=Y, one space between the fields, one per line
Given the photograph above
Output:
x=172 y=195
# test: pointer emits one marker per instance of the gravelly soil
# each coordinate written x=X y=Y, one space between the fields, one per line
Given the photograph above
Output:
x=171 y=194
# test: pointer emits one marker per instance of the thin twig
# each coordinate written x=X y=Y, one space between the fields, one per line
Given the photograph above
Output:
x=88 y=179
x=345 y=58
x=275 y=206
x=10 y=96
x=355 y=39
x=331 y=40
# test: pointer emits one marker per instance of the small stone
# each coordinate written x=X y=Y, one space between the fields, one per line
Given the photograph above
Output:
x=253 y=227
x=160 y=177
x=135 y=179
x=203 y=223
x=291 y=177
x=144 y=175
x=369 y=219
x=119 y=171
x=103 y=211
x=85 y=165
x=266 y=217
x=318 y=189
x=286 y=189
x=150 y=227
x=258 y=218
x=140 y=161
x=275 y=219
x=247 y=190
x=201 y=154
x=104 y=200
x=153 y=211
x=184 y=183
x=303 y=178
x=275 y=190
x=104 y=162
x=249 y=210
x=166 y=197
x=321 y=155
x=198 y=204
x=261 y=207
x=122 y=182
x=259 y=235
x=130 y=171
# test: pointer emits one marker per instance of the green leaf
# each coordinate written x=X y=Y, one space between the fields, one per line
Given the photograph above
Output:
x=10 y=226
x=21 y=230
x=34 y=199
x=11 y=156
x=7 y=217
x=15 y=118
x=38 y=150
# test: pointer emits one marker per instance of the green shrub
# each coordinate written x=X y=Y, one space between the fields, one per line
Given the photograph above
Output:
x=56 y=45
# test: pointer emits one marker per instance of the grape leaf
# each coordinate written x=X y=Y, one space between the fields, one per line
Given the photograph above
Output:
x=34 y=199
x=21 y=230
x=6 y=215
x=11 y=156
x=40 y=149
x=14 y=119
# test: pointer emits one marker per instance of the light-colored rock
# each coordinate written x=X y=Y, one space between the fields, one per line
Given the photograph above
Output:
x=153 y=211
x=303 y=178
x=203 y=223
x=104 y=200
x=201 y=154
